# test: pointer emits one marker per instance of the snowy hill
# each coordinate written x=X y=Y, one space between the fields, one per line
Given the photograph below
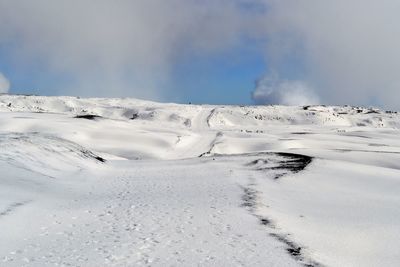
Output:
x=124 y=182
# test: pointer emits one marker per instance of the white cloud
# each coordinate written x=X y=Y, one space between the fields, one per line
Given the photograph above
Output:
x=271 y=90
x=348 y=49
x=4 y=84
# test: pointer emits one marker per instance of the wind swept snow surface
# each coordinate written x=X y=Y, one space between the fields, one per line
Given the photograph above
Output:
x=125 y=182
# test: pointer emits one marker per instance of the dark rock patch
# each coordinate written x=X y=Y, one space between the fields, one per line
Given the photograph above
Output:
x=295 y=250
x=249 y=198
x=87 y=116
x=265 y=221
x=257 y=161
x=295 y=162
x=12 y=207
x=90 y=154
x=283 y=164
x=134 y=116
x=302 y=133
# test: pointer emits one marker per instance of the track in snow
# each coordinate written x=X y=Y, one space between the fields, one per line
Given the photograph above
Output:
x=168 y=215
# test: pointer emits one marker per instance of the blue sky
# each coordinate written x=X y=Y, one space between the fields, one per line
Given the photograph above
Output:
x=227 y=78
x=224 y=78
x=29 y=77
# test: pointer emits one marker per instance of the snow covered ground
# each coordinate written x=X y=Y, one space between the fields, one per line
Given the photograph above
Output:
x=125 y=182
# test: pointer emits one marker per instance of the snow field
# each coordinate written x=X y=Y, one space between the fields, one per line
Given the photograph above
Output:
x=144 y=183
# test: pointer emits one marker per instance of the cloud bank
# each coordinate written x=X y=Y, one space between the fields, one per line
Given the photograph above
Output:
x=348 y=50
x=4 y=84
x=343 y=51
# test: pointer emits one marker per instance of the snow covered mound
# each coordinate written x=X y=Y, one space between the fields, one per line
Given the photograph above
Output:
x=44 y=153
x=126 y=182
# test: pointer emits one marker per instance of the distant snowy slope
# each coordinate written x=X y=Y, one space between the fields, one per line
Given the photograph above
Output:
x=219 y=116
x=132 y=129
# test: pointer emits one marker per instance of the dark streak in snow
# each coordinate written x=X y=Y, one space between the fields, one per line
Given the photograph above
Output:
x=288 y=163
x=11 y=208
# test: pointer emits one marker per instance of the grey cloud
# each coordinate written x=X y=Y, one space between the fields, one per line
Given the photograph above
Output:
x=4 y=84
